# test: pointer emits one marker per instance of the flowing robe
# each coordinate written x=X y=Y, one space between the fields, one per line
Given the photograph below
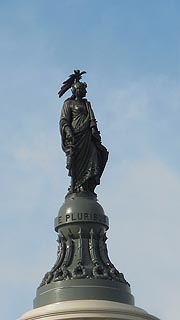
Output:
x=86 y=156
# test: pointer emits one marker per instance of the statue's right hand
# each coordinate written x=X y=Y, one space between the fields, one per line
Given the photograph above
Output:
x=69 y=136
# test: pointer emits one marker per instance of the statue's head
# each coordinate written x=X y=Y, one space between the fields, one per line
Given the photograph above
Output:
x=79 y=89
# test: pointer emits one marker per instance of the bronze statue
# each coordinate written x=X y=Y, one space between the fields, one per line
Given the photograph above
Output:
x=81 y=140
x=82 y=270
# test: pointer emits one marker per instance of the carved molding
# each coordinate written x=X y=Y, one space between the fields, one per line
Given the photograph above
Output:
x=83 y=257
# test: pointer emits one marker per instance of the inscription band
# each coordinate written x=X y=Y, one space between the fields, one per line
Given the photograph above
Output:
x=81 y=216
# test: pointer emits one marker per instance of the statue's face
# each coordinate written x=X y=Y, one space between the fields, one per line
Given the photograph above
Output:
x=81 y=92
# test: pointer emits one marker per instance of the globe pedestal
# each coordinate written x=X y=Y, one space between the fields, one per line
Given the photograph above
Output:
x=83 y=269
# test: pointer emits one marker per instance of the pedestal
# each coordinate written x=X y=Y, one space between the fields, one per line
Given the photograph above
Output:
x=83 y=270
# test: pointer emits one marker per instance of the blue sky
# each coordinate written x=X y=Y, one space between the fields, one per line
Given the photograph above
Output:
x=131 y=52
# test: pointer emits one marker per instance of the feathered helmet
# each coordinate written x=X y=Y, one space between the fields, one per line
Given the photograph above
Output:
x=73 y=83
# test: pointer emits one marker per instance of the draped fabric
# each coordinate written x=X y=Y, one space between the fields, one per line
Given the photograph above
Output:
x=86 y=156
